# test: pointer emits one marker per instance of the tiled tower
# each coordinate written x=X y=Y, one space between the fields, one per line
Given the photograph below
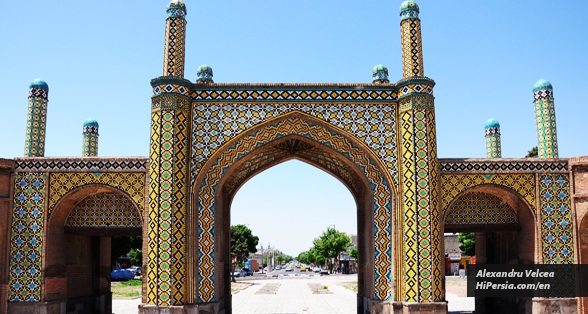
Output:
x=545 y=119
x=175 y=39
x=168 y=172
x=36 y=119
x=419 y=170
x=90 y=138
x=492 y=133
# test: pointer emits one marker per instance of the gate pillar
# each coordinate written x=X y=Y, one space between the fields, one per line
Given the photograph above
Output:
x=418 y=174
x=168 y=173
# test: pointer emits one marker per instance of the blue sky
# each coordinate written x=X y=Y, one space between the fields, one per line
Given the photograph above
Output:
x=99 y=56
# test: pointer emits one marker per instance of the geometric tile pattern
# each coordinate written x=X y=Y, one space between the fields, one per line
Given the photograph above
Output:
x=419 y=188
x=316 y=134
x=371 y=123
x=329 y=163
x=132 y=183
x=493 y=145
x=175 y=37
x=412 y=56
x=480 y=208
x=497 y=166
x=105 y=210
x=26 y=239
x=168 y=199
x=545 y=121
x=36 y=121
x=255 y=92
x=556 y=219
x=81 y=164
x=90 y=141
x=453 y=184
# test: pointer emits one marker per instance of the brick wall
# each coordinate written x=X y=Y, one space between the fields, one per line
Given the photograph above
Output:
x=79 y=280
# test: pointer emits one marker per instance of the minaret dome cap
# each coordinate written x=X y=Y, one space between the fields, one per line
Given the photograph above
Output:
x=492 y=124
x=204 y=74
x=542 y=85
x=380 y=73
x=91 y=122
x=408 y=7
x=176 y=8
x=40 y=84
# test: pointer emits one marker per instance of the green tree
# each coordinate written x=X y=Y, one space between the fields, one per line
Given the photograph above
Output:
x=136 y=256
x=243 y=242
x=330 y=244
x=467 y=243
x=121 y=246
x=533 y=153
x=354 y=254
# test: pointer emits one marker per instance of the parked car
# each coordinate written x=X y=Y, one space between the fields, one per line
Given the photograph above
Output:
x=121 y=275
x=324 y=271
x=238 y=273
x=316 y=270
x=136 y=270
x=247 y=272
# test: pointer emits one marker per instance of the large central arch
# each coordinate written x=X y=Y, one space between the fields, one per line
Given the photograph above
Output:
x=301 y=137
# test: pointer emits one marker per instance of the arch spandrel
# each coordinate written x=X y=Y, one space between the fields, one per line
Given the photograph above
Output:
x=61 y=183
x=291 y=127
x=454 y=184
x=370 y=123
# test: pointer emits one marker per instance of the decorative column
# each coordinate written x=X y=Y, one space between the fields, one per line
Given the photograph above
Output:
x=492 y=133
x=545 y=119
x=175 y=39
x=169 y=171
x=90 y=138
x=36 y=119
x=419 y=172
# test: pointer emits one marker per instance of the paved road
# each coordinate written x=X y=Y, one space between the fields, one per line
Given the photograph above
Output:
x=293 y=294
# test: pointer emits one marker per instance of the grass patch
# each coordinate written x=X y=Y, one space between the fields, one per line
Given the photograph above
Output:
x=351 y=285
x=126 y=289
x=238 y=286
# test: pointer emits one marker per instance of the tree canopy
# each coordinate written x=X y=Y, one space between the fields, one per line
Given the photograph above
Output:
x=467 y=243
x=533 y=153
x=243 y=242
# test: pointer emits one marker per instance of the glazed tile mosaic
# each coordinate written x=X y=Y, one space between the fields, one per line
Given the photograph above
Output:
x=480 y=208
x=105 y=210
x=26 y=239
x=502 y=166
x=316 y=134
x=252 y=93
x=80 y=164
x=453 y=184
x=132 y=183
x=556 y=219
x=215 y=124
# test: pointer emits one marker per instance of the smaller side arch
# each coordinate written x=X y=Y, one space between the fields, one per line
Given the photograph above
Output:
x=527 y=228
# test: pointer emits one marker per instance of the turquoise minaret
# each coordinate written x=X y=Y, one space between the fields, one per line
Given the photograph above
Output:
x=36 y=119
x=492 y=133
x=545 y=119
x=412 y=44
x=175 y=39
x=90 y=138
